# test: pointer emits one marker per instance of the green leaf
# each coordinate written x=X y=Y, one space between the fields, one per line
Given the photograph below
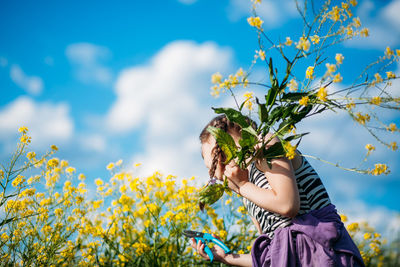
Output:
x=295 y=136
x=285 y=125
x=298 y=116
x=274 y=151
x=225 y=141
x=293 y=96
x=262 y=112
x=248 y=140
x=237 y=117
x=275 y=115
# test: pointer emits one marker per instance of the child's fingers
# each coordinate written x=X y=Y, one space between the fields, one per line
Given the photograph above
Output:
x=194 y=245
x=200 y=249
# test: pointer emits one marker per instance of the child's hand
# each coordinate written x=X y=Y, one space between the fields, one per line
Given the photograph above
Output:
x=236 y=176
x=219 y=254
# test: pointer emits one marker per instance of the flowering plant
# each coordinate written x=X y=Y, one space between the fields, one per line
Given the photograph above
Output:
x=293 y=95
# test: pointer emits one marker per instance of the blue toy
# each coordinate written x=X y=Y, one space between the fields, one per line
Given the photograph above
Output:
x=205 y=238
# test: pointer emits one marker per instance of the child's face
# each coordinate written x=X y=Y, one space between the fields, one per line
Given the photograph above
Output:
x=206 y=151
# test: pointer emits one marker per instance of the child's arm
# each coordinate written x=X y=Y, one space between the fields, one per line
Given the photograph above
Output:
x=283 y=197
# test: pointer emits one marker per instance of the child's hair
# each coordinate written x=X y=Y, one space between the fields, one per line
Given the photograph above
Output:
x=223 y=123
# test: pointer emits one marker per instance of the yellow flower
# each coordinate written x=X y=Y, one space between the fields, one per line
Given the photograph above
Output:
x=330 y=68
x=4 y=237
x=293 y=85
x=290 y=150
x=216 y=78
x=25 y=139
x=390 y=75
x=99 y=182
x=31 y=155
x=54 y=147
x=353 y=2
x=240 y=72
x=137 y=165
x=303 y=44
x=215 y=91
x=248 y=97
x=364 y=32
x=389 y=52
x=350 y=105
x=58 y=212
x=64 y=164
x=369 y=147
x=255 y=22
x=288 y=42
x=315 y=39
x=122 y=189
x=304 y=101
x=70 y=170
x=241 y=209
x=110 y=166
x=18 y=180
x=337 y=78
x=261 y=54
x=23 y=130
x=310 y=72
x=378 y=78
x=362 y=119
x=357 y=22
x=343 y=218
x=380 y=169
x=350 y=31
x=52 y=163
x=339 y=58
x=392 y=127
x=353 y=227
x=376 y=100
x=97 y=204
x=322 y=93
x=335 y=13
x=367 y=236
x=81 y=177
x=394 y=146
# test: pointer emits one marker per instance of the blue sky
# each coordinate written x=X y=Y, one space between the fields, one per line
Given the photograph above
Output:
x=130 y=80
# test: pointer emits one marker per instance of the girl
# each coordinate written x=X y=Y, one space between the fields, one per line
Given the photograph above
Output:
x=288 y=204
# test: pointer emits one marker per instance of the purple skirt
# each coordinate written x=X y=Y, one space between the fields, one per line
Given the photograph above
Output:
x=320 y=240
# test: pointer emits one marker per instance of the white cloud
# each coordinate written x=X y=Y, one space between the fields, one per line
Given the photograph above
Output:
x=391 y=13
x=48 y=122
x=31 y=84
x=384 y=220
x=93 y=142
x=383 y=25
x=165 y=88
x=88 y=60
x=274 y=13
x=167 y=100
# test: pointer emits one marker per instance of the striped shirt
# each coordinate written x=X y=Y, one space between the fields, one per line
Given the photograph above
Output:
x=312 y=193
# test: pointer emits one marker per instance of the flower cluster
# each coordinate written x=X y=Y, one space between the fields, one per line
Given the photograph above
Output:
x=50 y=220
